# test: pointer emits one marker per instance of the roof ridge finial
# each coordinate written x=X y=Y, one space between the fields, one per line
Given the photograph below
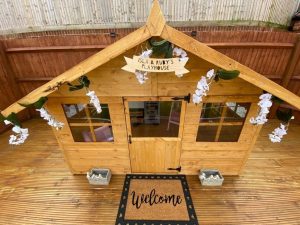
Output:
x=156 y=20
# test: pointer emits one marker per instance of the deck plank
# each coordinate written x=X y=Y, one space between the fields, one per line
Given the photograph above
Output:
x=36 y=186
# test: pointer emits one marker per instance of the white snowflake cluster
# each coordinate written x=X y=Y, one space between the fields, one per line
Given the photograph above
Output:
x=203 y=86
x=179 y=52
x=141 y=76
x=21 y=134
x=278 y=133
x=146 y=54
x=51 y=120
x=94 y=100
x=265 y=103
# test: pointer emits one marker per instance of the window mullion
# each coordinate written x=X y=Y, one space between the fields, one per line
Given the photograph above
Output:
x=90 y=123
x=224 y=110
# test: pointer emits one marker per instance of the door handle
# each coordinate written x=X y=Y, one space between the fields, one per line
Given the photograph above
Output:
x=129 y=139
x=185 y=98
x=178 y=169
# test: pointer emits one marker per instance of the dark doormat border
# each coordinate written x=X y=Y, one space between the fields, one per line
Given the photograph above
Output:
x=123 y=202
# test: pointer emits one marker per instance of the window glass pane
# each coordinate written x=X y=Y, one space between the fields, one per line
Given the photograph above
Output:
x=75 y=113
x=84 y=123
x=225 y=120
x=236 y=111
x=104 y=134
x=154 y=118
x=211 y=112
x=102 y=117
x=81 y=133
x=207 y=133
x=230 y=133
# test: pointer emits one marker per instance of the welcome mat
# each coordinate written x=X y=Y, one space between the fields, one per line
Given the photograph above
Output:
x=156 y=200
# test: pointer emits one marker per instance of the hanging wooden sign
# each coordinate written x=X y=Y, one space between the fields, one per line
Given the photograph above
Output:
x=156 y=65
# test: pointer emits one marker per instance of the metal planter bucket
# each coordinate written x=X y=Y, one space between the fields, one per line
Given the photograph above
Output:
x=99 y=176
x=211 y=177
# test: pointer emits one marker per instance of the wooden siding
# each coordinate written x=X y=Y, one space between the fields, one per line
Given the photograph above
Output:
x=161 y=84
x=81 y=156
x=28 y=16
x=228 y=157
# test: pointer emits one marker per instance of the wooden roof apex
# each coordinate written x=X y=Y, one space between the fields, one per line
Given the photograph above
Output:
x=156 y=26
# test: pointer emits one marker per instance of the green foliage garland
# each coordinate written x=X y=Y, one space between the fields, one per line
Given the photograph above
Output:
x=84 y=82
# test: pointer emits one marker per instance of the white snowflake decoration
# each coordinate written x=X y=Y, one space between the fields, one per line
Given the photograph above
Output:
x=203 y=86
x=265 y=103
x=21 y=134
x=278 y=133
x=51 y=120
x=179 y=52
x=146 y=54
x=94 y=100
x=141 y=76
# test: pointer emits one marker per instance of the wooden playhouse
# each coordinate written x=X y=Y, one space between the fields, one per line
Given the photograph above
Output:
x=155 y=127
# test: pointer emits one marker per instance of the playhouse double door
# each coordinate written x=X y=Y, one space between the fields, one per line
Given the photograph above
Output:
x=154 y=127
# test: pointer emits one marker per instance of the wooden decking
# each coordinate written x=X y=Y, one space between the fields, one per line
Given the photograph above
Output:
x=37 y=188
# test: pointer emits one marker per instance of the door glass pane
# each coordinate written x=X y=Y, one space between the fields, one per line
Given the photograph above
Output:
x=155 y=118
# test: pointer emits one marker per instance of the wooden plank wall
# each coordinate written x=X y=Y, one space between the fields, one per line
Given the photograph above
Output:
x=38 y=57
x=82 y=156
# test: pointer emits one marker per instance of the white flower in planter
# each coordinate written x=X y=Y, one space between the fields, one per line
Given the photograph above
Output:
x=203 y=86
x=265 y=103
x=21 y=134
x=51 y=120
x=94 y=100
x=278 y=133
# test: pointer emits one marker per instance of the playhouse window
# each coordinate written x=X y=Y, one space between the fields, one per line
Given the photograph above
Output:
x=87 y=125
x=222 y=122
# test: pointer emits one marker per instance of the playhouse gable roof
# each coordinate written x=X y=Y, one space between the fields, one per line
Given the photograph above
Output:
x=156 y=26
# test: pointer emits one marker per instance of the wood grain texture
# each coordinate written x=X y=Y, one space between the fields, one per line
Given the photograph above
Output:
x=81 y=156
x=228 y=157
x=36 y=186
x=84 y=67
x=203 y=51
x=176 y=37
x=35 y=68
